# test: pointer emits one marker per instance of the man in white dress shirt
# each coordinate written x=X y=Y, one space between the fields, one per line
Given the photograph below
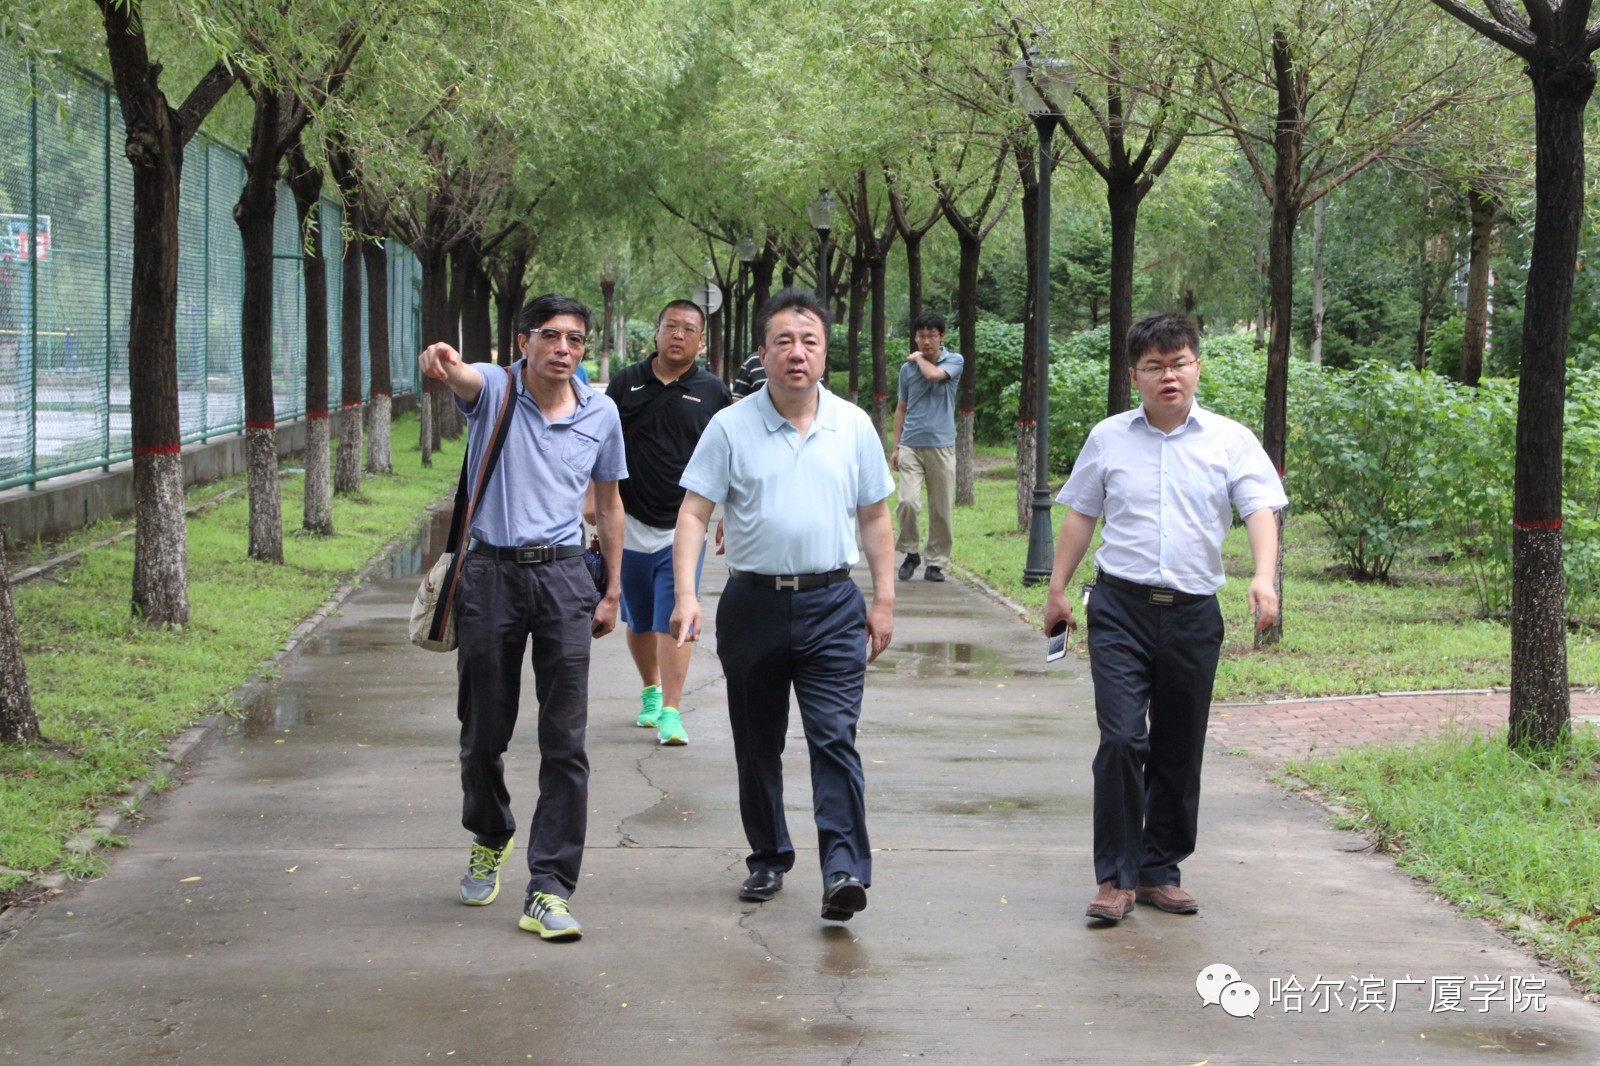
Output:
x=1165 y=476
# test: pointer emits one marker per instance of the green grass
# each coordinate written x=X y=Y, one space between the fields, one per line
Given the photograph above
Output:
x=1502 y=835
x=111 y=694
x=1340 y=637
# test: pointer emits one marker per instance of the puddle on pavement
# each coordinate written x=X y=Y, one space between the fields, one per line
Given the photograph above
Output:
x=1517 y=1040
x=273 y=710
x=422 y=551
x=345 y=644
x=955 y=659
x=1002 y=806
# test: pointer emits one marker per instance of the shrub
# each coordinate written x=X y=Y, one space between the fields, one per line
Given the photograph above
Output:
x=1367 y=443
x=997 y=364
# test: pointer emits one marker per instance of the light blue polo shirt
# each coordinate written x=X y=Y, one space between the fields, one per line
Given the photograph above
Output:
x=930 y=405
x=789 y=503
x=1167 y=497
x=535 y=495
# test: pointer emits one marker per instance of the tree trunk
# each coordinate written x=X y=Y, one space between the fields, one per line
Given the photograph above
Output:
x=761 y=272
x=1419 y=343
x=1288 y=145
x=347 y=464
x=1258 y=255
x=18 y=722
x=1122 y=197
x=306 y=181
x=714 y=343
x=1474 y=330
x=1319 y=306
x=913 y=239
x=156 y=135
x=857 y=311
x=255 y=214
x=380 y=457
x=608 y=289
x=966 y=398
x=1540 y=700
x=477 y=330
x=510 y=288
x=877 y=268
x=435 y=316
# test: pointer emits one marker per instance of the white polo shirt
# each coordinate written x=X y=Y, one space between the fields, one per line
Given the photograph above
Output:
x=789 y=502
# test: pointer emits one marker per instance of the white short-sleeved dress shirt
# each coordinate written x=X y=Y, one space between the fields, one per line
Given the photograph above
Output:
x=1166 y=497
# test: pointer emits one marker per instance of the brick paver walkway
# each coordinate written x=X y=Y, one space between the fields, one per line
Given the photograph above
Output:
x=1300 y=729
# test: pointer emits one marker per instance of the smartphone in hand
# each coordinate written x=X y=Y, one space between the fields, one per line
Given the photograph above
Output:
x=1056 y=644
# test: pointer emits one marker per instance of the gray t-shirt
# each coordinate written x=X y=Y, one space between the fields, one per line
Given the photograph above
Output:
x=930 y=405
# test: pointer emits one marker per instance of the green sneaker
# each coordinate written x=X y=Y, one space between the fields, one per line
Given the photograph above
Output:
x=481 y=884
x=670 y=728
x=547 y=915
x=649 y=707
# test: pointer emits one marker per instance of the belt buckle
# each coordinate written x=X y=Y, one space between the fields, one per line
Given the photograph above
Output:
x=536 y=553
x=792 y=583
x=1162 y=597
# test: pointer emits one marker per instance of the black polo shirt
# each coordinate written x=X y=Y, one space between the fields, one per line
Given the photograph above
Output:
x=661 y=424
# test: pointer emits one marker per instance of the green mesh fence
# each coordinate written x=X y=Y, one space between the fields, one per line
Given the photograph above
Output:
x=66 y=265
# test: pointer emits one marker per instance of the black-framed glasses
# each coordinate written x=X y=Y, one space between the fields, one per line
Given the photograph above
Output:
x=574 y=339
x=1156 y=369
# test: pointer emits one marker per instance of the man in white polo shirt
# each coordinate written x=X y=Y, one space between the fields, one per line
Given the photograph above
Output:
x=798 y=472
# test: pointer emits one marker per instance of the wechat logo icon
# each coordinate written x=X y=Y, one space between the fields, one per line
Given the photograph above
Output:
x=1219 y=984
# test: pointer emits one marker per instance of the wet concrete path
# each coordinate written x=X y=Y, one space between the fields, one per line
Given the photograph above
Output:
x=294 y=899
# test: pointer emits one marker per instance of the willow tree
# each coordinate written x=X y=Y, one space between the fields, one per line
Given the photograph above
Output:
x=1556 y=43
x=18 y=722
x=1313 y=93
x=157 y=134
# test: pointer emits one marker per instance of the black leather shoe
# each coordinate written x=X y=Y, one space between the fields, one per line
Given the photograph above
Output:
x=909 y=567
x=761 y=885
x=842 y=897
x=933 y=573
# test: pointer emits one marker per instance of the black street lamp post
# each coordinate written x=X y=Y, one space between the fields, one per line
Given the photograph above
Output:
x=747 y=252
x=821 y=215
x=1040 y=80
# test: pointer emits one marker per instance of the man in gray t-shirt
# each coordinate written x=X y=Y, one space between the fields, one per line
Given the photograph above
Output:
x=925 y=445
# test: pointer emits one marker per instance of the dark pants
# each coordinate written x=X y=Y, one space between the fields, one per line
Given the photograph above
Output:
x=816 y=641
x=1157 y=661
x=498 y=606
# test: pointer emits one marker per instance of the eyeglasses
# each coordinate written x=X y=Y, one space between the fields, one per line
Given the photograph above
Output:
x=575 y=340
x=1160 y=369
x=673 y=329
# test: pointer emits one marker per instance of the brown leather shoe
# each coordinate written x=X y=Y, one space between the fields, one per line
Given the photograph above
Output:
x=1111 y=903
x=1169 y=898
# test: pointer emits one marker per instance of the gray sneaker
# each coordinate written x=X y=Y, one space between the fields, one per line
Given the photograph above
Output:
x=547 y=915
x=481 y=883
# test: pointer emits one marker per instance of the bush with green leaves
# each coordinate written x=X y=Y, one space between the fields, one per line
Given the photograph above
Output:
x=1366 y=446
x=998 y=365
x=1471 y=490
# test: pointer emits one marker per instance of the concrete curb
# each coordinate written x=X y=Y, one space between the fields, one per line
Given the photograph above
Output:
x=112 y=819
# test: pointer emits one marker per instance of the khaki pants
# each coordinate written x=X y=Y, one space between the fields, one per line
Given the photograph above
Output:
x=936 y=466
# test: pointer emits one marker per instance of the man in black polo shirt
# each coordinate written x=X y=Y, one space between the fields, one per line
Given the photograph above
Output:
x=666 y=401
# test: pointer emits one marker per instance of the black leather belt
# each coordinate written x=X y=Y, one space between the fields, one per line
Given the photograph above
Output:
x=792 y=582
x=1154 y=594
x=527 y=554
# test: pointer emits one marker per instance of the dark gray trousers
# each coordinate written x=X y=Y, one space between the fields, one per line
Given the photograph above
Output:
x=814 y=641
x=1159 y=663
x=499 y=606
